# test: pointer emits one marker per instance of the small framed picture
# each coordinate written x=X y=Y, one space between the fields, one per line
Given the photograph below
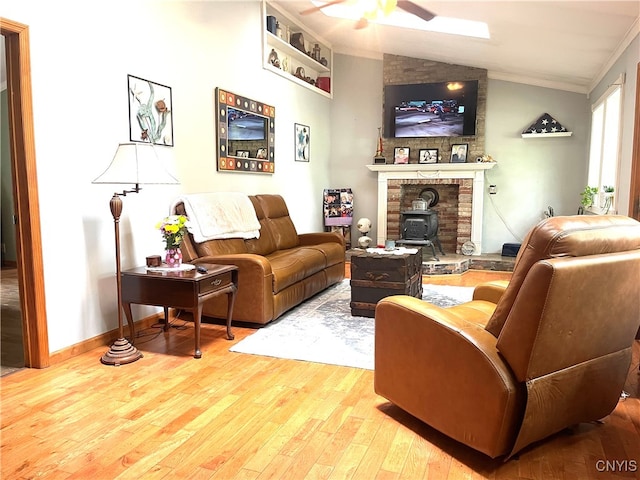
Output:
x=459 y=153
x=261 y=153
x=242 y=153
x=302 y=142
x=401 y=155
x=428 y=155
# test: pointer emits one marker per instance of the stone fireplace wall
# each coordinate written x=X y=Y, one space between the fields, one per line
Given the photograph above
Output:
x=453 y=208
x=399 y=70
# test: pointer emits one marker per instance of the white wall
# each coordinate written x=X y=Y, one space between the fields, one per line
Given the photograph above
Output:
x=532 y=173
x=81 y=54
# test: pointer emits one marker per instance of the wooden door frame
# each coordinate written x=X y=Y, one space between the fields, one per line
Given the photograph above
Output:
x=634 y=190
x=25 y=193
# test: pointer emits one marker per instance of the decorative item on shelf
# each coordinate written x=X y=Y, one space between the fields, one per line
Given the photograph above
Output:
x=273 y=58
x=485 y=158
x=279 y=33
x=379 y=157
x=324 y=83
x=173 y=229
x=315 y=54
x=300 y=73
x=324 y=61
x=271 y=24
x=546 y=126
x=133 y=164
x=297 y=41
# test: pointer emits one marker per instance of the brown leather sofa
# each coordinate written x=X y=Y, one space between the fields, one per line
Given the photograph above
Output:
x=278 y=270
x=526 y=358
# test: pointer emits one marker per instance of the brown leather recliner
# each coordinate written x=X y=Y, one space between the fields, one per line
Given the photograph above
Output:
x=526 y=358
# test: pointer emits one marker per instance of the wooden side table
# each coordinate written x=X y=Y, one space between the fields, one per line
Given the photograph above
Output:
x=186 y=290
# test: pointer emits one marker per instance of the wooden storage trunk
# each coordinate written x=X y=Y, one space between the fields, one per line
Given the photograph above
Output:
x=378 y=275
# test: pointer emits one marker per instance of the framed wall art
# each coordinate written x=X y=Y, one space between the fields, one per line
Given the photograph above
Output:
x=303 y=142
x=401 y=155
x=246 y=134
x=459 y=153
x=150 y=112
x=428 y=155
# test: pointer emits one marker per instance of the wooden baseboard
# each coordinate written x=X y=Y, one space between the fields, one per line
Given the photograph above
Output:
x=103 y=340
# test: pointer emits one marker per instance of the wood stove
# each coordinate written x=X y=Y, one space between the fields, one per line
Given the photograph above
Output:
x=420 y=227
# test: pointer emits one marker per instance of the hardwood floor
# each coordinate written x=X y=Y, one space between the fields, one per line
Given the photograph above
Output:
x=236 y=416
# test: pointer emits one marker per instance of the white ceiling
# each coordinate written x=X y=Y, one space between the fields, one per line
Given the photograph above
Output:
x=565 y=44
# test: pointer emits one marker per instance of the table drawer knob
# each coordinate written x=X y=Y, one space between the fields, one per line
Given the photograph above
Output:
x=216 y=282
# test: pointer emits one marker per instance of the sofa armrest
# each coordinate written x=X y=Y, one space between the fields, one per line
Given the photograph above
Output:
x=447 y=372
x=320 y=237
x=490 y=291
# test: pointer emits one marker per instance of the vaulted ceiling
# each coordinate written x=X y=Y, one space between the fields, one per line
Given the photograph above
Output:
x=566 y=44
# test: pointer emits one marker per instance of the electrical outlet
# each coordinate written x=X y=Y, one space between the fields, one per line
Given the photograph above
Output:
x=493 y=189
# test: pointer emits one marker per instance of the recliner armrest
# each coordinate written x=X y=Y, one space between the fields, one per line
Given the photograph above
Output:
x=490 y=291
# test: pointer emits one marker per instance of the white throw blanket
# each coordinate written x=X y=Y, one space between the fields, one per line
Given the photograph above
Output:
x=219 y=215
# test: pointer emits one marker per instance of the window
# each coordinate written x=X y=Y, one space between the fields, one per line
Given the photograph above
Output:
x=605 y=144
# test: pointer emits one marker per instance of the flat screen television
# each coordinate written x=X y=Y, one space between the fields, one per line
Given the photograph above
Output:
x=444 y=109
x=246 y=125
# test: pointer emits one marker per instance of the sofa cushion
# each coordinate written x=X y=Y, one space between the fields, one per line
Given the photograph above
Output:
x=278 y=221
x=333 y=252
x=293 y=265
x=226 y=246
x=265 y=244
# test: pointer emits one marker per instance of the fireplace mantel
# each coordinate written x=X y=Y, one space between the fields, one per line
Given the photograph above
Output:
x=433 y=171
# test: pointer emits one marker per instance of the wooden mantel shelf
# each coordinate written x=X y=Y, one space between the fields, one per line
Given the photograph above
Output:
x=431 y=167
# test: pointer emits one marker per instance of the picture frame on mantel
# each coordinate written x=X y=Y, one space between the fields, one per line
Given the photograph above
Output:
x=150 y=112
x=459 y=152
x=428 y=155
x=401 y=155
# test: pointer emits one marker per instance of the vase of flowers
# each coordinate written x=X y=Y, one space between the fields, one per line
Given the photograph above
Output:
x=173 y=229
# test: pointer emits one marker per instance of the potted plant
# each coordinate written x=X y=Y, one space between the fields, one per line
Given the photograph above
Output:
x=586 y=197
x=608 y=198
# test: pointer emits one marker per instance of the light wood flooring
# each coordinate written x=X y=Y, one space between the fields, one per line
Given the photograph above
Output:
x=235 y=416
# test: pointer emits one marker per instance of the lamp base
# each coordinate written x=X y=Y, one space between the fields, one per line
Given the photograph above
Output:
x=120 y=353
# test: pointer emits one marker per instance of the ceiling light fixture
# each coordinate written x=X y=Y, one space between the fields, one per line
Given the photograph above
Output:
x=383 y=12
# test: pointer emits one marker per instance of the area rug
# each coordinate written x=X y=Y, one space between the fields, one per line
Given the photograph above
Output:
x=322 y=329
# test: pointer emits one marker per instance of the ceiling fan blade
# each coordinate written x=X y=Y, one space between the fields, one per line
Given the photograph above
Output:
x=317 y=9
x=416 y=10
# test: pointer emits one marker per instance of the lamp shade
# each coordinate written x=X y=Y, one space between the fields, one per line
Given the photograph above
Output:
x=136 y=163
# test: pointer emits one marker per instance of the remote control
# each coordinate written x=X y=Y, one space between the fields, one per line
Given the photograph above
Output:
x=201 y=269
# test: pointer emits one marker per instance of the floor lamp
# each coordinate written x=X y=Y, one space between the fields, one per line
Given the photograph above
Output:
x=133 y=164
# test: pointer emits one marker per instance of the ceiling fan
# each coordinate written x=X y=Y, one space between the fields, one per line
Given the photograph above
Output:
x=376 y=8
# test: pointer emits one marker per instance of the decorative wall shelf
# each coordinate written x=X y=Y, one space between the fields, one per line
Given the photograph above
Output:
x=545 y=135
x=282 y=58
